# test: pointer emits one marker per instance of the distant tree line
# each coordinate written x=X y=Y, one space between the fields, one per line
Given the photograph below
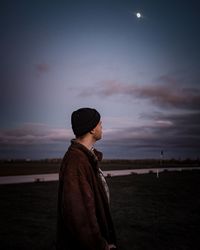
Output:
x=138 y=162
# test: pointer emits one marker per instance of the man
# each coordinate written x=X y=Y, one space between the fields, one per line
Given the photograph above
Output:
x=84 y=219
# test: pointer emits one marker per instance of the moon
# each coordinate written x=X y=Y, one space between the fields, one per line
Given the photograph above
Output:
x=138 y=15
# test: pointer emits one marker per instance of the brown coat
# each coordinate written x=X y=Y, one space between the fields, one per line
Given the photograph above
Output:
x=84 y=219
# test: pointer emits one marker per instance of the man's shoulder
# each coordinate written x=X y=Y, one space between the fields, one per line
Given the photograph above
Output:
x=74 y=158
x=74 y=153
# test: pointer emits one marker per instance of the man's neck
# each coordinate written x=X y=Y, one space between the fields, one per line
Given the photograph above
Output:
x=88 y=142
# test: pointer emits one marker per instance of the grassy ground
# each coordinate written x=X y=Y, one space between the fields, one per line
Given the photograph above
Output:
x=28 y=168
x=153 y=213
x=148 y=212
x=44 y=167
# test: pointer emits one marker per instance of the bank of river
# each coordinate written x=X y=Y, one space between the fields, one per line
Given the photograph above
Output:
x=54 y=177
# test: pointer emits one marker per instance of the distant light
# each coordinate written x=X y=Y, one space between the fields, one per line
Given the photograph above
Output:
x=138 y=15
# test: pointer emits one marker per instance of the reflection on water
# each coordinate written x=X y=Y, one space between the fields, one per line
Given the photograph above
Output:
x=28 y=178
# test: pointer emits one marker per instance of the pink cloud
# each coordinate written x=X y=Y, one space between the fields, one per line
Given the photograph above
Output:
x=42 y=68
x=34 y=134
x=164 y=95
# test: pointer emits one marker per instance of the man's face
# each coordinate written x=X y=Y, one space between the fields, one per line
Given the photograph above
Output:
x=98 y=131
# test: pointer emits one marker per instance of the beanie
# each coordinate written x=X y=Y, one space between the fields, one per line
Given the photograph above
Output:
x=84 y=120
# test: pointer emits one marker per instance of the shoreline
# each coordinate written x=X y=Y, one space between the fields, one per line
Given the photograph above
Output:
x=17 y=179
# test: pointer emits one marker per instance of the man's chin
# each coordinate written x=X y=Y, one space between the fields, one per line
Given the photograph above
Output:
x=98 y=138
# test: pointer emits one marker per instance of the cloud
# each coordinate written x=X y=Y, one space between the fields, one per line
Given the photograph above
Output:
x=175 y=133
x=169 y=95
x=29 y=134
x=42 y=68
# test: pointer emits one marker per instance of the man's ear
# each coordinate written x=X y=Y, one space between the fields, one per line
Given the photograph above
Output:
x=92 y=131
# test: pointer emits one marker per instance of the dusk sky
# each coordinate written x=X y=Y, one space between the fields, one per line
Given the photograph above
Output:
x=141 y=74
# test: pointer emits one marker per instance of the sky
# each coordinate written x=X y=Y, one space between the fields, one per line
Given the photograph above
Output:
x=141 y=74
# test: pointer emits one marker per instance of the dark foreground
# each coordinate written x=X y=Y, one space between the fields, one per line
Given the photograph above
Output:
x=148 y=212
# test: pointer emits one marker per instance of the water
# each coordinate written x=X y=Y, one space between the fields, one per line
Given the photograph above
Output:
x=110 y=173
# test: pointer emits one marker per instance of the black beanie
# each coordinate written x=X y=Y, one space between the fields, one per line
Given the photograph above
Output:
x=84 y=120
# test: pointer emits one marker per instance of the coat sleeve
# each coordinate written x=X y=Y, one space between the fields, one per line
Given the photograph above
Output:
x=79 y=211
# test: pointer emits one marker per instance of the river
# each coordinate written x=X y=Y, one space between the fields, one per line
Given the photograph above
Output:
x=110 y=173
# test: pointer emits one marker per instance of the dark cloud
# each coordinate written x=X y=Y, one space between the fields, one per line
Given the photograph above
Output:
x=35 y=141
x=178 y=134
x=169 y=95
x=33 y=134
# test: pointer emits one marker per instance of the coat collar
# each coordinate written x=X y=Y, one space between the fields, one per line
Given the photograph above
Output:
x=92 y=154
